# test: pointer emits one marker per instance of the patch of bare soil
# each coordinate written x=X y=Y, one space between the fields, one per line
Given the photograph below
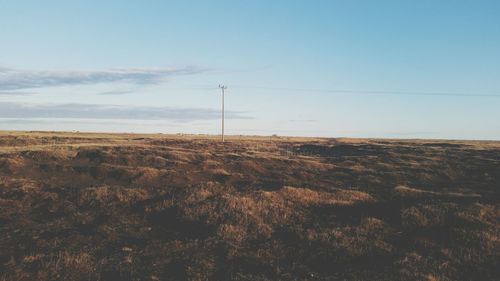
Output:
x=156 y=207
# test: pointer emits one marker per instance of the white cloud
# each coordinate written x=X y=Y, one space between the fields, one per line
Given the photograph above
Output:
x=14 y=79
x=98 y=111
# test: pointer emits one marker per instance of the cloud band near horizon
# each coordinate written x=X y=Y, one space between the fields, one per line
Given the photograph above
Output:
x=15 y=79
x=100 y=111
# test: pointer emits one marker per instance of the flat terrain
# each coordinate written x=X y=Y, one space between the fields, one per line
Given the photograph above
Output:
x=171 y=207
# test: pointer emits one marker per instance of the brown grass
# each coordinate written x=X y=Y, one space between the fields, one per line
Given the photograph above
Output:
x=161 y=207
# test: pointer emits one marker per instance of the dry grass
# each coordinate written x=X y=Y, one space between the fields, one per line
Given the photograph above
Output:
x=157 y=207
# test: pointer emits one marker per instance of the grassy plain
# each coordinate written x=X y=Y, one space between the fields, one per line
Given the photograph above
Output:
x=81 y=206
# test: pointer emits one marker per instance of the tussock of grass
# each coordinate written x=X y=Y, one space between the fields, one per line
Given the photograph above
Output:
x=427 y=215
x=107 y=195
x=405 y=191
x=337 y=197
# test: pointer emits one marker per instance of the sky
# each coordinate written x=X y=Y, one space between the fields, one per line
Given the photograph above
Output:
x=333 y=68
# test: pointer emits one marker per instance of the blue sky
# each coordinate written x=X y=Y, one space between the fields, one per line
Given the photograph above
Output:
x=404 y=69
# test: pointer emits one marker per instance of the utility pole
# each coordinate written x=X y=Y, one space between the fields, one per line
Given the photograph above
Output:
x=222 y=87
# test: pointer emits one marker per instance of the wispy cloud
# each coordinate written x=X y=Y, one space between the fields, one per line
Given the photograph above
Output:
x=116 y=93
x=417 y=133
x=98 y=111
x=14 y=93
x=304 y=120
x=14 y=79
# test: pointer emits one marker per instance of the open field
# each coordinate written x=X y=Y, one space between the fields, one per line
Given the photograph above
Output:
x=171 y=207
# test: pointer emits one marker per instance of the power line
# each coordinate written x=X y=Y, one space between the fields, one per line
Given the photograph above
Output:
x=343 y=91
x=367 y=92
